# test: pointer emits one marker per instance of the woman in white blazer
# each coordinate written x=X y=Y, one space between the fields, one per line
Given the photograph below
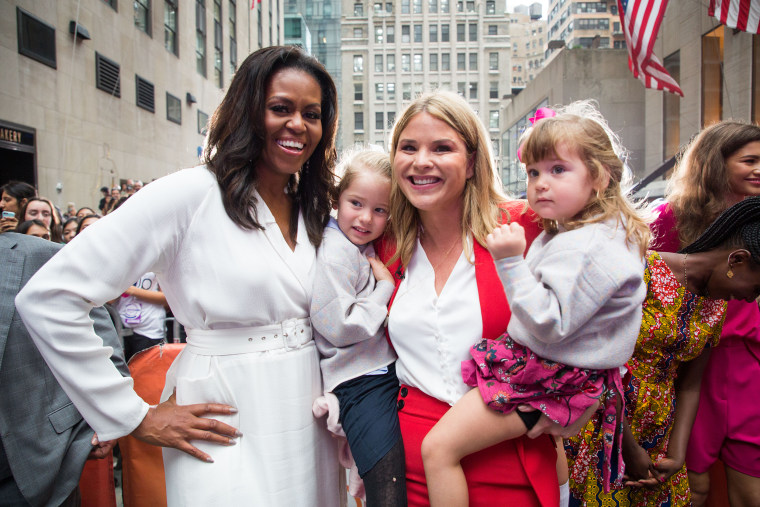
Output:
x=233 y=246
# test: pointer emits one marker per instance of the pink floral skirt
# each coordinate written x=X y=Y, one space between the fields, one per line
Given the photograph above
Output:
x=509 y=374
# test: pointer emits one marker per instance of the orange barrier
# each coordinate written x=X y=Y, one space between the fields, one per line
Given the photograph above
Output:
x=96 y=484
x=142 y=465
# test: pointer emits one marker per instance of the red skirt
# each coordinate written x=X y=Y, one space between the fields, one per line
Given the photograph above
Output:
x=516 y=472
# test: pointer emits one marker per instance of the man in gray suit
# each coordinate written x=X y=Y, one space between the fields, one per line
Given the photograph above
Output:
x=44 y=441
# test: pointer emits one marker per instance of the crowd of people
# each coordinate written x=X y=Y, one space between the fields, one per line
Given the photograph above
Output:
x=577 y=347
x=25 y=212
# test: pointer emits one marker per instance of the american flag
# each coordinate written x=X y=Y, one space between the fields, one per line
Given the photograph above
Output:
x=743 y=15
x=641 y=23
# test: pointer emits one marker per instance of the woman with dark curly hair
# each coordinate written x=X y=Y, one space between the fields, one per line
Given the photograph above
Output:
x=233 y=246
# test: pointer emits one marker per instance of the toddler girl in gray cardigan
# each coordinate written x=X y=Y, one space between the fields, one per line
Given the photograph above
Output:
x=575 y=301
x=348 y=309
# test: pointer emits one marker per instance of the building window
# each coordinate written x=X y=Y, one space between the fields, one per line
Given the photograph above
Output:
x=471 y=6
x=406 y=63
x=591 y=24
x=445 y=33
x=474 y=90
x=493 y=92
x=358 y=92
x=378 y=34
x=389 y=7
x=445 y=61
x=358 y=9
x=233 y=36
x=460 y=32
x=406 y=91
x=112 y=3
x=145 y=94
x=712 y=76
x=671 y=109
x=462 y=89
x=36 y=39
x=461 y=61
x=473 y=27
x=170 y=26
x=173 y=109
x=432 y=5
x=417 y=33
x=379 y=117
x=358 y=63
x=391 y=89
x=417 y=6
x=202 y=123
x=378 y=63
x=417 y=62
x=390 y=61
x=433 y=33
x=142 y=15
x=405 y=33
x=390 y=33
x=405 y=7
x=490 y=7
x=378 y=91
x=493 y=61
x=200 y=37
x=473 y=61
x=493 y=30
x=107 y=75
x=433 y=61
x=493 y=120
x=218 y=51
x=358 y=120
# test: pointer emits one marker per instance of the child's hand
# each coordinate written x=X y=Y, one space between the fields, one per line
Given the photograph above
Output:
x=507 y=240
x=639 y=470
x=379 y=270
x=666 y=467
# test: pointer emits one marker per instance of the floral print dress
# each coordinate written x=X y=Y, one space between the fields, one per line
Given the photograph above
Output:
x=676 y=327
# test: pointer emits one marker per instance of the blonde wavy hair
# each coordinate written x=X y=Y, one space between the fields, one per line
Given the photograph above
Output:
x=356 y=160
x=582 y=129
x=482 y=195
x=699 y=188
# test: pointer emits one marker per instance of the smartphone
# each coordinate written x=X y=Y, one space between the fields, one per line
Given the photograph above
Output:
x=9 y=214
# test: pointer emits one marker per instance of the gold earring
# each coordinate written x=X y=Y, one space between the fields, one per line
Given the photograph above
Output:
x=729 y=273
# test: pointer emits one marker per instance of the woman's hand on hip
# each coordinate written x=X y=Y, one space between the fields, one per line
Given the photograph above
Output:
x=172 y=425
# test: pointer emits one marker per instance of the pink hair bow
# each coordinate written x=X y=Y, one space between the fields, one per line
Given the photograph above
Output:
x=541 y=113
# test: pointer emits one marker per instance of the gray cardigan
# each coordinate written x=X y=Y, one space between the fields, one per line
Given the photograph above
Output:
x=348 y=310
x=576 y=297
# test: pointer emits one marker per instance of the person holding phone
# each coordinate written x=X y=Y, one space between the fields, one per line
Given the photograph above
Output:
x=13 y=196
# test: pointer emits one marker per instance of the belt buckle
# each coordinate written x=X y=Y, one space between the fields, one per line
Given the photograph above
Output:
x=289 y=334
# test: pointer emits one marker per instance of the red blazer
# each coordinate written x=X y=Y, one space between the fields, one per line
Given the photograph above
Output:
x=494 y=308
x=495 y=314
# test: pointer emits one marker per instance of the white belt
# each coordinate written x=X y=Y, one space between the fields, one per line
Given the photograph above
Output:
x=289 y=335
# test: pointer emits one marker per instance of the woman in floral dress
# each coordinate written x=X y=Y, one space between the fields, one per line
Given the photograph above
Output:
x=662 y=386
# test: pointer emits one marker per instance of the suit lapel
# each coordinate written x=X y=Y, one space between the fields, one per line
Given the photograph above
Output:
x=10 y=283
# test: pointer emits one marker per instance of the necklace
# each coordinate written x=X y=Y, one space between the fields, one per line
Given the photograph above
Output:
x=685 y=278
x=421 y=279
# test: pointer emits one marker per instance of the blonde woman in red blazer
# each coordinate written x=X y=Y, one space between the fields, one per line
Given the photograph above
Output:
x=448 y=294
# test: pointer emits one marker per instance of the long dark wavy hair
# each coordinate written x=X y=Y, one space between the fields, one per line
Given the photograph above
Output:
x=236 y=137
